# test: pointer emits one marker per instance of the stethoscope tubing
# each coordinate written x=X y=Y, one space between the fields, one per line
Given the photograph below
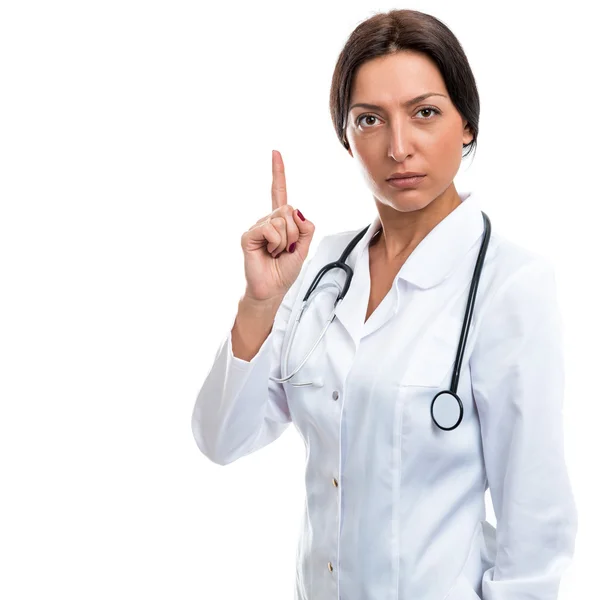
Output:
x=341 y=264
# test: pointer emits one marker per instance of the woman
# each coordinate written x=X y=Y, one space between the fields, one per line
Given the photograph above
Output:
x=395 y=504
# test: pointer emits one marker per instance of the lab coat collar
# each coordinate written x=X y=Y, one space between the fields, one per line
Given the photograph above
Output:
x=441 y=249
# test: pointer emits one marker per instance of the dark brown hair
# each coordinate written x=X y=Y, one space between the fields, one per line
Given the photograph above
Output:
x=394 y=31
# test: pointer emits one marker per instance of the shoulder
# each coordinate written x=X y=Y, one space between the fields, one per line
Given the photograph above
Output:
x=322 y=251
x=518 y=292
x=509 y=264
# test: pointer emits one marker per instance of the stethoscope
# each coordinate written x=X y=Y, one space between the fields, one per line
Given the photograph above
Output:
x=446 y=407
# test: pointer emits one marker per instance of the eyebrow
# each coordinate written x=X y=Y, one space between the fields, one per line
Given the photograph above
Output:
x=405 y=104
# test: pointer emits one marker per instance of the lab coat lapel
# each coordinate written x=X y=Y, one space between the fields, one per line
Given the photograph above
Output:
x=440 y=252
x=432 y=261
x=352 y=309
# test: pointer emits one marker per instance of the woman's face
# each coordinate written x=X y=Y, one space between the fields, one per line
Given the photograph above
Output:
x=425 y=137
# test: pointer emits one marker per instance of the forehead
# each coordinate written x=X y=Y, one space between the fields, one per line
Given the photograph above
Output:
x=396 y=78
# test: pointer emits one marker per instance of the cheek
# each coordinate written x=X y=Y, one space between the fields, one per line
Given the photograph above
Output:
x=369 y=164
x=447 y=150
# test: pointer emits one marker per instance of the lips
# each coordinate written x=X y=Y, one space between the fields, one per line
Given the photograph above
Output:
x=406 y=176
x=406 y=182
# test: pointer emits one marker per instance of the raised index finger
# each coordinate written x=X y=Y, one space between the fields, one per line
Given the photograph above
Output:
x=278 y=189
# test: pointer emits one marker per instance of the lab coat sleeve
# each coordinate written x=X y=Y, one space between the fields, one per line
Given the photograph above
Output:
x=238 y=409
x=517 y=374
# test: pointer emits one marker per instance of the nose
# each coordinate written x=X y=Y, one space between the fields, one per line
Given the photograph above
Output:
x=399 y=143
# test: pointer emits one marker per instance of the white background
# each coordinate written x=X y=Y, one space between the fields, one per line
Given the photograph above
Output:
x=135 y=149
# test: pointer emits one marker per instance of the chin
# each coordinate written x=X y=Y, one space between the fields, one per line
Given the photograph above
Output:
x=408 y=204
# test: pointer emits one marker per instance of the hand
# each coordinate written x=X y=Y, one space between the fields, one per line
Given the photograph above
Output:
x=269 y=266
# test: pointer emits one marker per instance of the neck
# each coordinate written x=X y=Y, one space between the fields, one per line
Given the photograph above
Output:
x=401 y=232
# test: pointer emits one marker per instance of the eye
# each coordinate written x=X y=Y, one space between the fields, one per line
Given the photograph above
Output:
x=363 y=117
x=431 y=109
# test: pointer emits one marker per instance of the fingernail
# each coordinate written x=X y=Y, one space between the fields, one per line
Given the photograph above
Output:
x=300 y=215
x=293 y=247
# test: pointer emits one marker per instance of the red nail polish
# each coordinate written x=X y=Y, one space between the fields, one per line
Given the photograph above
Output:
x=300 y=215
x=293 y=247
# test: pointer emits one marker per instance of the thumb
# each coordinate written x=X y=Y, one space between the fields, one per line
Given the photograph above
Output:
x=306 y=229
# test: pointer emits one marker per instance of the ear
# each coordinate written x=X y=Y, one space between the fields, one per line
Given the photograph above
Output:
x=348 y=149
x=467 y=134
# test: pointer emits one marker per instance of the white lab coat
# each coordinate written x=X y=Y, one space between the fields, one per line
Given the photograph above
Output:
x=394 y=505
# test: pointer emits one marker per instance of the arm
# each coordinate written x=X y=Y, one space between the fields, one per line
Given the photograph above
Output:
x=518 y=386
x=252 y=325
x=239 y=409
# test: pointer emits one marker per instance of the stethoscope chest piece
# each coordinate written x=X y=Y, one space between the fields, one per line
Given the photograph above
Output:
x=447 y=410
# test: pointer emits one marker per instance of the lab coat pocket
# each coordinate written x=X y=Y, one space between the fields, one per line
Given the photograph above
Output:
x=432 y=361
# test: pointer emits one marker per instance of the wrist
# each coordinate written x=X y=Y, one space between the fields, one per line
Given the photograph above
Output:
x=256 y=305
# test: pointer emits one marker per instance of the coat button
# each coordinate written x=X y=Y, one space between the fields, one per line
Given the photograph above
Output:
x=335 y=395
x=330 y=566
x=334 y=480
